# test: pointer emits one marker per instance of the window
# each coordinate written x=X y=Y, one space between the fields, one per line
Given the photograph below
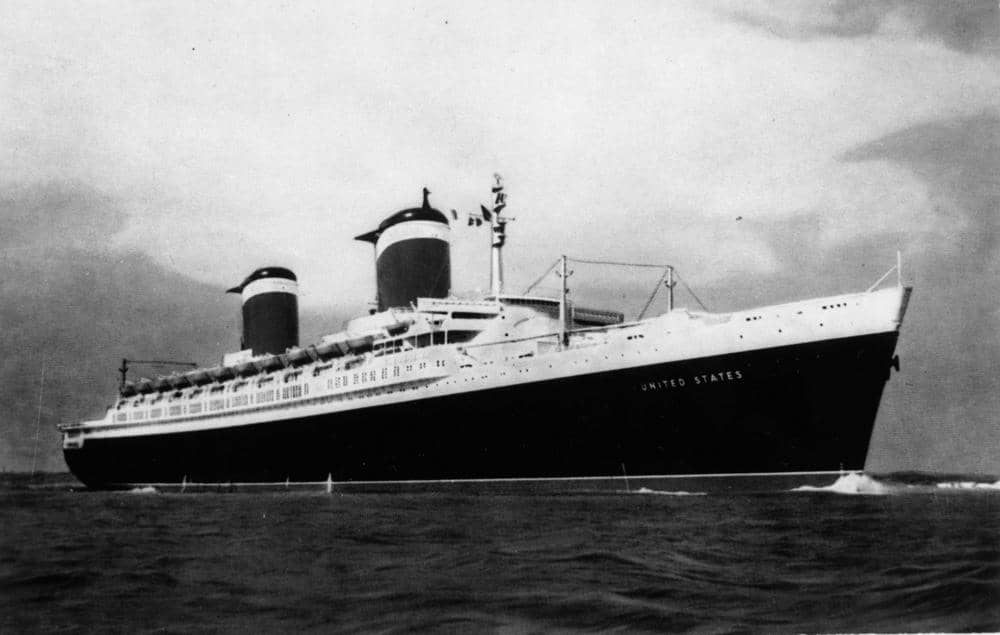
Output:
x=174 y=411
x=195 y=408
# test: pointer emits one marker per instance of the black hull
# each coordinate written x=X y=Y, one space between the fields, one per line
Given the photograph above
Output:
x=800 y=408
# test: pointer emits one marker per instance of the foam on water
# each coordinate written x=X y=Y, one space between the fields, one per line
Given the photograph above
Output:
x=969 y=485
x=857 y=483
x=144 y=490
x=646 y=490
x=853 y=483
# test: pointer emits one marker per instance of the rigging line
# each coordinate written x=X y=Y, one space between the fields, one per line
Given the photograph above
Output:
x=38 y=419
x=656 y=290
x=541 y=277
x=691 y=291
x=616 y=263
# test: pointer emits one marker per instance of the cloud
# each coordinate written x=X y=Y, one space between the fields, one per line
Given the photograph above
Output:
x=73 y=306
x=56 y=214
x=940 y=411
x=959 y=159
x=971 y=26
x=231 y=139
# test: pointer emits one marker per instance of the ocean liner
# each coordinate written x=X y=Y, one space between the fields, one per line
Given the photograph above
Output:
x=431 y=387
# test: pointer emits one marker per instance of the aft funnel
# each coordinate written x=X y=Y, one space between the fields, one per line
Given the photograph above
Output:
x=270 y=310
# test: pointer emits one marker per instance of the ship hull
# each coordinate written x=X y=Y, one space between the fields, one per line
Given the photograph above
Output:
x=802 y=408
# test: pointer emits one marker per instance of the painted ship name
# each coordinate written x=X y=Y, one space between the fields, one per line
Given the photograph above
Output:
x=692 y=380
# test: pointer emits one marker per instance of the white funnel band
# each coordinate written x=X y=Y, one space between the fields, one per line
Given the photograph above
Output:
x=409 y=230
x=270 y=285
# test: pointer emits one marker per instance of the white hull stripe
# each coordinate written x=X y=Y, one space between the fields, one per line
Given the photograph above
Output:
x=270 y=285
x=410 y=230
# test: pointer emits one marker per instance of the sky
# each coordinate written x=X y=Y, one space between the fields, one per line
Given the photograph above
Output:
x=152 y=154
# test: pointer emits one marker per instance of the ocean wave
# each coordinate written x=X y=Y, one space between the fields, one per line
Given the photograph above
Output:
x=852 y=483
x=646 y=490
x=149 y=489
x=857 y=483
x=969 y=485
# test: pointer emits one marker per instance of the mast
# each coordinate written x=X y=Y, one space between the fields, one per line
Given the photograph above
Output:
x=670 y=288
x=563 y=334
x=499 y=227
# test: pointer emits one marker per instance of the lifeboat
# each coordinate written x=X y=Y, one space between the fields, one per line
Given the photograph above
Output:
x=271 y=362
x=198 y=377
x=332 y=346
x=144 y=386
x=178 y=381
x=128 y=389
x=244 y=369
x=328 y=350
x=360 y=344
x=161 y=383
x=221 y=373
x=298 y=357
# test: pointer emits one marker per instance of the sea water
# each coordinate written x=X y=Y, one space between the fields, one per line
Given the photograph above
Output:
x=860 y=554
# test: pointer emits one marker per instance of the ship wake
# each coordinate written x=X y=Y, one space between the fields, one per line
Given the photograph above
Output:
x=658 y=492
x=860 y=484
